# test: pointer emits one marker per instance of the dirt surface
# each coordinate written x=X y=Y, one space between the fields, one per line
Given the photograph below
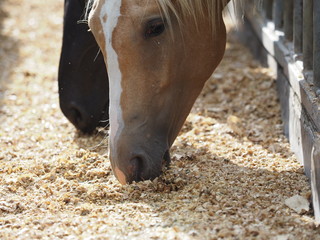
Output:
x=232 y=170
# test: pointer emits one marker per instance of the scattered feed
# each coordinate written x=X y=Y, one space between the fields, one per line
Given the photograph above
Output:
x=231 y=174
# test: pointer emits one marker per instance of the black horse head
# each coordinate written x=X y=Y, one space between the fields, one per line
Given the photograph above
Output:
x=83 y=79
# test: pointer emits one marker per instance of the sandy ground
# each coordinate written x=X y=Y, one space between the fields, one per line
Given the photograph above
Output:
x=231 y=173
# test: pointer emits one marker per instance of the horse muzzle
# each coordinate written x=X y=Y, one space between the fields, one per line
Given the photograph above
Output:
x=132 y=165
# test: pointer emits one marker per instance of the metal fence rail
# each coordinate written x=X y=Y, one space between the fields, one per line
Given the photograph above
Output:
x=285 y=35
x=300 y=22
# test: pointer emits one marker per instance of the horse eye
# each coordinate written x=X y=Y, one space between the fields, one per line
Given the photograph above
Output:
x=154 y=28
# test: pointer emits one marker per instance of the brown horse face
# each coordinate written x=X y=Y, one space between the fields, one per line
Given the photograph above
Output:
x=155 y=75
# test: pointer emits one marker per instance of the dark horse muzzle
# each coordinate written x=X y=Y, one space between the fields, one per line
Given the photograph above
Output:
x=82 y=77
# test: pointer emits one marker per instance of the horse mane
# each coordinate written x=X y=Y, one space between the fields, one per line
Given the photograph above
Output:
x=195 y=9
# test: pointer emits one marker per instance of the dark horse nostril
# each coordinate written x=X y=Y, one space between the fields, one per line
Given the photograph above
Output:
x=136 y=169
x=79 y=117
x=75 y=115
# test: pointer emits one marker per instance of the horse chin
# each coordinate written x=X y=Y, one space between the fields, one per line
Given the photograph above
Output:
x=90 y=126
x=166 y=159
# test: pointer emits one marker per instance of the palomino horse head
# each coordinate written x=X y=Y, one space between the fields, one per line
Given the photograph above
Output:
x=159 y=54
x=83 y=79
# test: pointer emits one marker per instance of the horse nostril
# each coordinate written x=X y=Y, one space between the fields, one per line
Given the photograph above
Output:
x=79 y=117
x=76 y=116
x=140 y=170
x=135 y=169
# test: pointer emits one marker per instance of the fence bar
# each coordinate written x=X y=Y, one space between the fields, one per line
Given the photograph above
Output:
x=288 y=19
x=278 y=13
x=308 y=34
x=316 y=43
x=268 y=8
x=297 y=22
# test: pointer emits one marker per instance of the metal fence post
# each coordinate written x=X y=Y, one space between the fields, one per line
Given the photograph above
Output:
x=307 y=34
x=288 y=19
x=297 y=30
x=268 y=8
x=278 y=14
x=316 y=44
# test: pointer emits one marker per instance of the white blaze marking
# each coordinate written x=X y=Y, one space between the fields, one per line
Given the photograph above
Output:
x=111 y=9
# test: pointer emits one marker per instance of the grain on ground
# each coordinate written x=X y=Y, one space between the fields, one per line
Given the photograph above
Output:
x=231 y=173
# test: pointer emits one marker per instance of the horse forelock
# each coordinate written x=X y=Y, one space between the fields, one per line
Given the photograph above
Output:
x=183 y=9
x=196 y=9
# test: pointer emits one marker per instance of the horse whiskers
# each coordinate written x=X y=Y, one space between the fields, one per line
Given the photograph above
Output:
x=104 y=121
x=103 y=142
x=82 y=21
x=99 y=51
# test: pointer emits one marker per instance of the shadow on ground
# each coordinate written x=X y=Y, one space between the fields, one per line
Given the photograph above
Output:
x=9 y=52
